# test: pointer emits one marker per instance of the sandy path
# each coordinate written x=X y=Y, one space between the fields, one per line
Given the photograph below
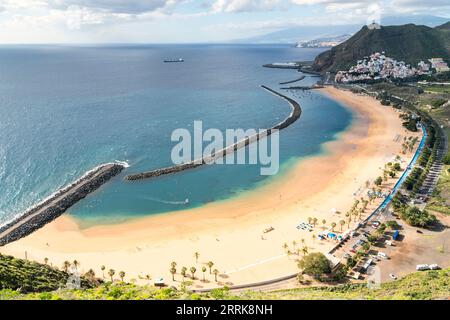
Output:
x=229 y=232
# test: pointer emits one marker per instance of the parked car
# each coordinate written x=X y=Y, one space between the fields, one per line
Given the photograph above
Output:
x=382 y=255
x=422 y=267
x=392 y=276
x=434 y=267
x=376 y=224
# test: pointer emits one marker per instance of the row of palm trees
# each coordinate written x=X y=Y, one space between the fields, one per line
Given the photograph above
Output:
x=193 y=270
x=90 y=274
x=296 y=250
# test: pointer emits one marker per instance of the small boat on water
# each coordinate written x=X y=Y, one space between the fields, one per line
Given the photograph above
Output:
x=174 y=60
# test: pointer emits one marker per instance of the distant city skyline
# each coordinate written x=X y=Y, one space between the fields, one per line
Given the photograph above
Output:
x=186 y=21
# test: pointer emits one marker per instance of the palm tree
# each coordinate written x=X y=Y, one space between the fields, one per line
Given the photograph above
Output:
x=216 y=272
x=285 y=246
x=310 y=220
x=314 y=222
x=333 y=225
x=355 y=215
x=66 y=265
x=342 y=223
x=313 y=238
x=90 y=274
x=204 y=270
x=210 y=265
x=294 y=243
x=302 y=241
x=76 y=264
x=103 y=270
x=122 y=275
x=305 y=250
x=324 y=223
x=148 y=277
x=183 y=272
x=193 y=270
x=111 y=273
x=173 y=264
x=196 y=255
x=45 y=260
x=173 y=271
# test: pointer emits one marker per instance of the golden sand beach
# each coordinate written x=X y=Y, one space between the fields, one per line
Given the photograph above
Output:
x=230 y=233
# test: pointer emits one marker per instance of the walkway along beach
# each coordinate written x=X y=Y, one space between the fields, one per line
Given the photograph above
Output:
x=295 y=114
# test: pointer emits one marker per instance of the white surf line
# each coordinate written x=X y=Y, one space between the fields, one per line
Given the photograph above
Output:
x=255 y=264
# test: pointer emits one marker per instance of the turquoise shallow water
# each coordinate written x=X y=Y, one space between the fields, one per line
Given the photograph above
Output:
x=67 y=109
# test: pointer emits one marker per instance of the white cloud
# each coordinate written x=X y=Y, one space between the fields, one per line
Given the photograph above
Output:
x=245 y=5
x=115 y=6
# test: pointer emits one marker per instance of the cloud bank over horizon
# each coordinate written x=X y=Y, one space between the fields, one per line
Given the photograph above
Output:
x=165 y=21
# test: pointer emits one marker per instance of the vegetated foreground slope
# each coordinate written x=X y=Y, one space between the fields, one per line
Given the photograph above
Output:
x=40 y=281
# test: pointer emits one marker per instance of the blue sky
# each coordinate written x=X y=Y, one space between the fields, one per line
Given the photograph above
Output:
x=178 y=21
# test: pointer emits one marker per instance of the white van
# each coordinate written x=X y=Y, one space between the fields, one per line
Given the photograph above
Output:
x=382 y=255
x=434 y=267
x=422 y=267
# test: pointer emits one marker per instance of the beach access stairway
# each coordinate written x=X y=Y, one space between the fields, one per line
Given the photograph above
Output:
x=55 y=205
x=294 y=116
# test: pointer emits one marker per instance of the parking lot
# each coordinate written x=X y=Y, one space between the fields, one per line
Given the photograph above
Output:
x=414 y=246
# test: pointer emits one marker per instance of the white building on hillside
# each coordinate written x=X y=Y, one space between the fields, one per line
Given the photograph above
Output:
x=439 y=64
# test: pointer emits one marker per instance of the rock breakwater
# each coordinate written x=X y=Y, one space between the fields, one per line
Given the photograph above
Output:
x=294 y=116
x=55 y=205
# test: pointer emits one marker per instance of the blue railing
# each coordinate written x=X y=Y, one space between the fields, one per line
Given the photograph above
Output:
x=405 y=174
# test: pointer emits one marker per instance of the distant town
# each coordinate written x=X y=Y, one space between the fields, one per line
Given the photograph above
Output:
x=323 y=42
x=378 y=66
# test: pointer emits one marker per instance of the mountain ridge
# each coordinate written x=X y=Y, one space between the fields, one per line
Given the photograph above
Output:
x=311 y=32
x=410 y=43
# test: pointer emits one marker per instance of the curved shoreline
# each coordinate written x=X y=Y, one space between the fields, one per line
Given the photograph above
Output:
x=56 y=204
x=294 y=116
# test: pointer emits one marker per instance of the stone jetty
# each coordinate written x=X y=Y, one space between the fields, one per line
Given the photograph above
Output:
x=294 y=116
x=296 y=80
x=55 y=205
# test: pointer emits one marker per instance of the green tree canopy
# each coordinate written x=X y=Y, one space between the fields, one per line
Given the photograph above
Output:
x=315 y=264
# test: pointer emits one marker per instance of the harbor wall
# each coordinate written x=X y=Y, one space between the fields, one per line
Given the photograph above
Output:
x=294 y=116
x=55 y=205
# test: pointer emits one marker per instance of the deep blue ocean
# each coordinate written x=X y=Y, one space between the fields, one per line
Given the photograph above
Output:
x=66 y=109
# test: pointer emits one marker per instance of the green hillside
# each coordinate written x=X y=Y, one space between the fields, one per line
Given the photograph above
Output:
x=410 y=43
x=27 y=276
x=45 y=283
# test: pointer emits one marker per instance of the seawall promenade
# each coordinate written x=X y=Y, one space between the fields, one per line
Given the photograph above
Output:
x=55 y=205
x=294 y=116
